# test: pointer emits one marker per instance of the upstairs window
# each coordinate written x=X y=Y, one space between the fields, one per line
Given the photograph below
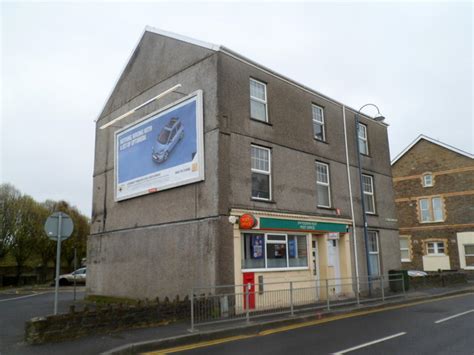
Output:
x=363 y=140
x=369 y=196
x=323 y=190
x=261 y=172
x=318 y=123
x=431 y=209
x=258 y=100
x=428 y=180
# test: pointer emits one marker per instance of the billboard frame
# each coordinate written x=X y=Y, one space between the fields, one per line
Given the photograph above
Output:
x=198 y=94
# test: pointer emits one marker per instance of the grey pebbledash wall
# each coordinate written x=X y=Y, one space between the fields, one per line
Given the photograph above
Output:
x=165 y=243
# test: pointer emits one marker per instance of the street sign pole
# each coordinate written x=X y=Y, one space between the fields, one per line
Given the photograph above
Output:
x=58 y=227
x=58 y=265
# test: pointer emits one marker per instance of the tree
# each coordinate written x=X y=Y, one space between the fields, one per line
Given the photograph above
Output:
x=9 y=196
x=28 y=226
x=45 y=248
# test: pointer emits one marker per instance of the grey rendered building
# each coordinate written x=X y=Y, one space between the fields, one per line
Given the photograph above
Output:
x=274 y=151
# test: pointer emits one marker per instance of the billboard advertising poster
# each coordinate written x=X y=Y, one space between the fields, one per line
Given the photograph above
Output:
x=162 y=150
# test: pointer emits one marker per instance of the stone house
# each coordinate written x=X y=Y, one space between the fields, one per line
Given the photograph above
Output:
x=434 y=195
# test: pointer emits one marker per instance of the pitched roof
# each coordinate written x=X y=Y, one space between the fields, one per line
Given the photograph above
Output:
x=231 y=53
x=434 y=141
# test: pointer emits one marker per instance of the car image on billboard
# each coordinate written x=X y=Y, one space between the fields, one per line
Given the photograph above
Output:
x=169 y=136
x=161 y=151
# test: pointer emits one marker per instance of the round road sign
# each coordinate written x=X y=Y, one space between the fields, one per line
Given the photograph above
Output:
x=52 y=224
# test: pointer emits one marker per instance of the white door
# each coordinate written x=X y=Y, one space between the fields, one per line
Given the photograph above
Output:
x=333 y=261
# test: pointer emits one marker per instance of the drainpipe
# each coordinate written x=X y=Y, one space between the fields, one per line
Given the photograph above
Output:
x=354 y=232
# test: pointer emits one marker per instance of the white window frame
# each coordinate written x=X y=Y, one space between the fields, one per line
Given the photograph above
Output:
x=431 y=209
x=328 y=184
x=321 y=123
x=364 y=139
x=377 y=252
x=265 y=102
x=372 y=193
x=266 y=241
x=468 y=267
x=407 y=249
x=425 y=184
x=436 y=248
x=258 y=171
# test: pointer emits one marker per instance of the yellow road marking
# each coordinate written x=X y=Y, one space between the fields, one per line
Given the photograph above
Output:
x=199 y=345
x=297 y=326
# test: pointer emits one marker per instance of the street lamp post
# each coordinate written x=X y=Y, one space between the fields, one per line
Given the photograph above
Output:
x=378 y=118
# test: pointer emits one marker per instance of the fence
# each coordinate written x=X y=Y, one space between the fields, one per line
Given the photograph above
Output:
x=247 y=301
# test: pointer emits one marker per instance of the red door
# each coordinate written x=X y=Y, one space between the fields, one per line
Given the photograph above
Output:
x=249 y=278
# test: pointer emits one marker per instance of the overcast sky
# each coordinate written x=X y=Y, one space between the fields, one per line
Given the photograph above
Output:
x=60 y=61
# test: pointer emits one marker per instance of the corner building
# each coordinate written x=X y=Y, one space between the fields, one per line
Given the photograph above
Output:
x=274 y=150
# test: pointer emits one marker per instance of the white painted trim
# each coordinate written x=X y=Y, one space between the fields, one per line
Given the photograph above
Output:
x=434 y=141
x=211 y=46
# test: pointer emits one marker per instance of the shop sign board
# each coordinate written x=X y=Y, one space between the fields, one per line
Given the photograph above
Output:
x=295 y=225
x=162 y=150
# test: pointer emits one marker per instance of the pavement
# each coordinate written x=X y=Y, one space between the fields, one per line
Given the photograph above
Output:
x=16 y=308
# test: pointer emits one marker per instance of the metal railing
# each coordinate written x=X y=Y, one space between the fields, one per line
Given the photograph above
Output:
x=216 y=304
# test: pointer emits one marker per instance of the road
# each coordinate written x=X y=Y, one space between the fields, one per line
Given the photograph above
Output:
x=436 y=327
x=15 y=309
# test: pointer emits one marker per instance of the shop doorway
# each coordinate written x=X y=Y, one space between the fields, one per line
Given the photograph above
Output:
x=315 y=263
x=333 y=261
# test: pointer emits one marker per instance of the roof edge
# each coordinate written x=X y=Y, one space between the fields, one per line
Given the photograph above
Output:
x=238 y=56
x=434 y=141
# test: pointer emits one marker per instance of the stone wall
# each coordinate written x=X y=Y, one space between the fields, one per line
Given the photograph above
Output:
x=76 y=324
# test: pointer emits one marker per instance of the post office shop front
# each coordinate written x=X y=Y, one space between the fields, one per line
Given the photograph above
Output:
x=271 y=249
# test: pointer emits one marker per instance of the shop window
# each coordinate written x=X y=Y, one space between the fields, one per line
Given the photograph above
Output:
x=374 y=259
x=318 y=123
x=428 y=180
x=405 y=248
x=431 y=209
x=274 y=251
x=261 y=173
x=323 y=190
x=469 y=254
x=435 y=248
x=369 y=196
x=362 y=139
x=258 y=100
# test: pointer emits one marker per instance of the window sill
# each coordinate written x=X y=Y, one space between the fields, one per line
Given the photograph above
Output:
x=264 y=201
x=326 y=208
x=371 y=214
x=435 y=255
x=406 y=261
x=260 y=121
x=428 y=222
x=320 y=141
x=277 y=269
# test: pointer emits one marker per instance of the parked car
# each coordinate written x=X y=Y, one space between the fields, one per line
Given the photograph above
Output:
x=169 y=136
x=68 y=279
